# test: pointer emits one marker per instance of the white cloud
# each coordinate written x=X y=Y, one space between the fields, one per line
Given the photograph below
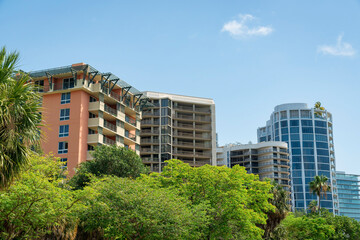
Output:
x=340 y=49
x=241 y=28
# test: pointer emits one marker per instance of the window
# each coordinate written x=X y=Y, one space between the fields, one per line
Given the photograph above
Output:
x=90 y=131
x=322 y=145
x=283 y=115
x=308 y=151
x=64 y=131
x=284 y=130
x=306 y=123
x=284 y=124
x=321 y=138
x=68 y=83
x=294 y=123
x=294 y=130
x=65 y=98
x=320 y=124
x=294 y=114
x=63 y=147
x=307 y=129
x=64 y=162
x=165 y=102
x=39 y=85
x=305 y=114
x=92 y=99
x=308 y=136
x=91 y=115
x=295 y=144
x=321 y=131
x=65 y=114
x=90 y=147
x=308 y=144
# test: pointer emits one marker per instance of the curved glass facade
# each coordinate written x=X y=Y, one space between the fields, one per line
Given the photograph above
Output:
x=309 y=134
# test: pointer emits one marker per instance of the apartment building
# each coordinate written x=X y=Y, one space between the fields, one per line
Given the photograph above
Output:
x=349 y=194
x=309 y=135
x=266 y=159
x=82 y=108
x=179 y=127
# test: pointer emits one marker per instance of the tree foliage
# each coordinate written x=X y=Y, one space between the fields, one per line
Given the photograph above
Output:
x=109 y=160
x=319 y=186
x=129 y=209
x=236 y=201
x=36 y=204
x=19 y=118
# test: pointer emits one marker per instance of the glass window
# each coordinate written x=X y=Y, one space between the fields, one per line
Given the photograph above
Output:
x=296 y=151
x=298 y=188
x=64 y=162
x=296 y=159
x=68 y=83
x=310 y=173
x=284 y=123
x=276 y=125
x=276 y=132
x=165 y=112
x=297 y=181
x=295 y=136
x=91 y=115
x=285 y=137
x=325 y=167
x=308 y=144
x=294 y=130
x=306 y=123
x=297 y=166
x=305 y=114
x=295 y=144
x=309 y=159
x=323 y=159
x=309 y=166
x=307 y=129
x=65 y=114
x=92 y=99
x=325 y=173
x=64 y=131
x=322 y=145
x=320 y=124
x=321 y=138
x=308 y=136
x=165 y=121
x=63 y=147
x=262 y=139
x=65 y=98
x=296 y=173
x=283 y=115
x=277 y=138
x=321 y=131
x=284 y=130
x=308 y=151
x=294 y=114
x=294 y=123
x=90 y=131
x=165 y=102
x=322 y=152
x=276 y=117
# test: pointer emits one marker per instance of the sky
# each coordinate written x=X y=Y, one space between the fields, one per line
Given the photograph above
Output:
x=249 y=56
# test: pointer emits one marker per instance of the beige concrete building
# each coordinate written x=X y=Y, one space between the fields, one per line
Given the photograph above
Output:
x=179 y=127
x=267 y=159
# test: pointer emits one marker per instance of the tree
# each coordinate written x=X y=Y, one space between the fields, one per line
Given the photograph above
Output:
x=236 y=201
x=19 y=118
x=36 y=204
x=319 y=187
x=281 y=202
x=313 y=206
x=318 y=109
x=129 y=209
x=109 y=160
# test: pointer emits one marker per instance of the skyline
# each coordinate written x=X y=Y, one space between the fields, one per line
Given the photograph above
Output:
x=248 y=57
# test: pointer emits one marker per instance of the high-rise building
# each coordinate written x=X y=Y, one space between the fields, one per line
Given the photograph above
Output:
x=266 y=159
x=309 y=134
x=179 y=127
x=349 y=194
x=82 y=108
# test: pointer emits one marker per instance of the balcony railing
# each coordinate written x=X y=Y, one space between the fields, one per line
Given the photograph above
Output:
x=149 y=131
x=130 y=120
x=130 y=135
x=110 y=125
x=115 y=96
x=108 y=141
x=110 y=110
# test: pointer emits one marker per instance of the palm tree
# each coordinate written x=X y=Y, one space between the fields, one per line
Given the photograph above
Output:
x=281 y=201
x=19 y=117
x=320 y=187
x=318 y=109
x=313 y=206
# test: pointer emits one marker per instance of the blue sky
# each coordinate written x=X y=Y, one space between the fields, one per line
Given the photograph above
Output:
x=249 y=56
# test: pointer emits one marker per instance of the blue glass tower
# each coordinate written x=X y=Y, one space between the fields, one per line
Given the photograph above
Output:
x=309 y=134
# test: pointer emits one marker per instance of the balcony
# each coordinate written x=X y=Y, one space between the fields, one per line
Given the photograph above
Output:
x=130 y=135
x=110 y=110
x=110 y=125
x=149 y=132
x=108 y=141
x=130 y=120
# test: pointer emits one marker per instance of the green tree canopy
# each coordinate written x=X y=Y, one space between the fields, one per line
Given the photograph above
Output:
x=319 y=186
x=36 y=205
x=129 y=209
x=236 y=201
x=19 y=118
x=109 y=160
